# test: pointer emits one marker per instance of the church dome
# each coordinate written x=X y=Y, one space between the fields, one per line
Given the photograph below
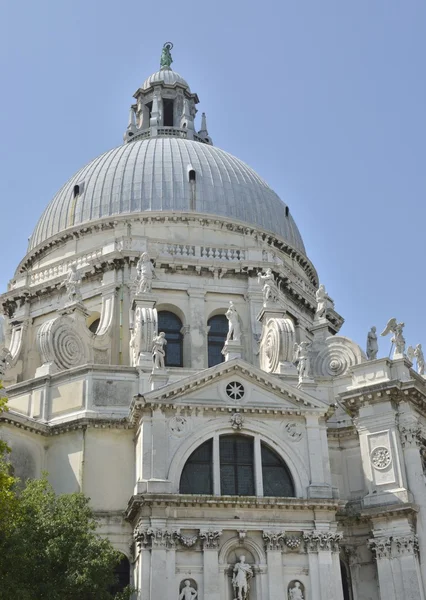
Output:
x=166 y=76
x=167 y=174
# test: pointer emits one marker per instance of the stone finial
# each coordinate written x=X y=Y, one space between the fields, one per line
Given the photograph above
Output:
x=398 y=338
x=166 y=56
x=372 y=346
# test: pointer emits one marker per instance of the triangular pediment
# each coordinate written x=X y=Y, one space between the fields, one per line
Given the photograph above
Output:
x=220 y=386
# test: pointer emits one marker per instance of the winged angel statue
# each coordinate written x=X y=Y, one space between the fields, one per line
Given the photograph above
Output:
x=417 y=353
x=398 y=338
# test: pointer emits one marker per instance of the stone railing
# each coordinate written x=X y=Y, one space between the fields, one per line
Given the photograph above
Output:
x=61 y=268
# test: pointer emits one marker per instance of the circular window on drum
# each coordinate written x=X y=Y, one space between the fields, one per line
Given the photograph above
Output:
x=235 y=390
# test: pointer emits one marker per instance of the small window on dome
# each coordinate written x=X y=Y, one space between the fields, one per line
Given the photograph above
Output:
x=76 y=191
x=191 y=175
x=286 y=211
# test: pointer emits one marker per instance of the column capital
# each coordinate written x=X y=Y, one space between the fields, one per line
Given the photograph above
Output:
x=273 y=540
x=147 y=537
x=316 y=541
x=210 y=539
x=411 y=435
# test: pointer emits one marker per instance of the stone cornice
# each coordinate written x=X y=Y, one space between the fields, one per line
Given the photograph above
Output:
x=200 y=219
x=244 y=502
x=50 y=429
x=413 y=391
x=354 y=512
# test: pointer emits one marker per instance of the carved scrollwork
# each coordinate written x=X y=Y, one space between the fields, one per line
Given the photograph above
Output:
x=276 y=345
x=188 y=541
x=380 y=458
x=60 y=343
x=293 y=542
x=337 y=357
x=316 y=541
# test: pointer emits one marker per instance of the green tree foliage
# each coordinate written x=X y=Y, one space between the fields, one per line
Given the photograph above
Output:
x=49 y=548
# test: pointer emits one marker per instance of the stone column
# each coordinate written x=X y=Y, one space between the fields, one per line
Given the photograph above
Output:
x=273 y=546
x=198 y=331
x=324 y=566
x=161 y=582
x=411 y=442
x=210 y=542
x=319 y=485
x=398 y=567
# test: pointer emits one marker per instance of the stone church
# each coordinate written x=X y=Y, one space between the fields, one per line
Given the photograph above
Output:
x=167 y=349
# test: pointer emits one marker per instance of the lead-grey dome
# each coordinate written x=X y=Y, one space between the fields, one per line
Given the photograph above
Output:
x=166 y=76
x=153 y=175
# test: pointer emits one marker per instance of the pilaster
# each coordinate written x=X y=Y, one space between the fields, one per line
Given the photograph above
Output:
x=198 y=332
x=210 y=543
x=324 y=565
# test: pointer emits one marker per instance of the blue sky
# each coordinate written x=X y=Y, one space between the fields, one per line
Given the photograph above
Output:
x=324 y=99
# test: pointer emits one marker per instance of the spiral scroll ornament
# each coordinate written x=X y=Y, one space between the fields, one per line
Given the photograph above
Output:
x=60 y=343
x=276 y=345
x=338 y=356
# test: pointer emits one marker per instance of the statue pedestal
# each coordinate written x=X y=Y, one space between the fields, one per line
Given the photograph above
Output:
x=232 y=349
x=145 y=329
x=158 y=378
x=320 y=331
x=76 y=309
x=144 y=300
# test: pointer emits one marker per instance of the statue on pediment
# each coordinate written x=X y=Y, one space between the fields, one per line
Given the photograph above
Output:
x=269 y=290
x=234 y=329
x=301 y=360
x=372 y=345
x=398 y=337
x=145 y=273
x=159 y=343
x=72 y=284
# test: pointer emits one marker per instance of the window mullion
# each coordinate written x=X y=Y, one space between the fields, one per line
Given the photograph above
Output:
x=258 y=479
x=216 y=465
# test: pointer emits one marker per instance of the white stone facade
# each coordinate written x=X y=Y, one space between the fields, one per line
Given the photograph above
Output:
x=88 y=404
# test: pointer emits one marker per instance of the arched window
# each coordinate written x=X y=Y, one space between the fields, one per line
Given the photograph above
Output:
x=216 y=339
x=122 y=574
x=197 y=476
x=171 y=325
x=346 y=581
x=276 y=476
x=240 y=474
x=94 y=325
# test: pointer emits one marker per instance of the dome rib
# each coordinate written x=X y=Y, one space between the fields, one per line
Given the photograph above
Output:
x=151 y=175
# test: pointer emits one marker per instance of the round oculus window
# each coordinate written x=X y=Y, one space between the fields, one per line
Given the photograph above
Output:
x=235 y=390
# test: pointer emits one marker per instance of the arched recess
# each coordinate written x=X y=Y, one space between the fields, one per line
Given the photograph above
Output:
x=234 y=543
x=122 y=574
x=298 y=471
x=93 y=321
x=172 y=325
x=217 y=331
x=346 y=580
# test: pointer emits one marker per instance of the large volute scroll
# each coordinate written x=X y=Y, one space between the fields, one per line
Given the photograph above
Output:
x=336 y=356
x=276 y=344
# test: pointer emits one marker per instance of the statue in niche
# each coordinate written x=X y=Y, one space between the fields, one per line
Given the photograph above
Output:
x=372 y=345
x=301 y=359
x=145 y=273
x=234 y=330
x=398 y=336
x=188 y=592
x=321 y=298
x=242 y=573
x=158 y=350
x=270 y=290
x=72 y=284
x=417 y=353
x=295 y=591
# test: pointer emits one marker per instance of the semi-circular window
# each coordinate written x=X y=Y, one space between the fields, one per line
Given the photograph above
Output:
x=238 y=473
x=171 y=325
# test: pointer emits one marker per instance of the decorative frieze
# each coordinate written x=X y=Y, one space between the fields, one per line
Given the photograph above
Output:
x=187 y=541
x=316 y=541
x=380 y=458
x=210 y=539
x=293 y=542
